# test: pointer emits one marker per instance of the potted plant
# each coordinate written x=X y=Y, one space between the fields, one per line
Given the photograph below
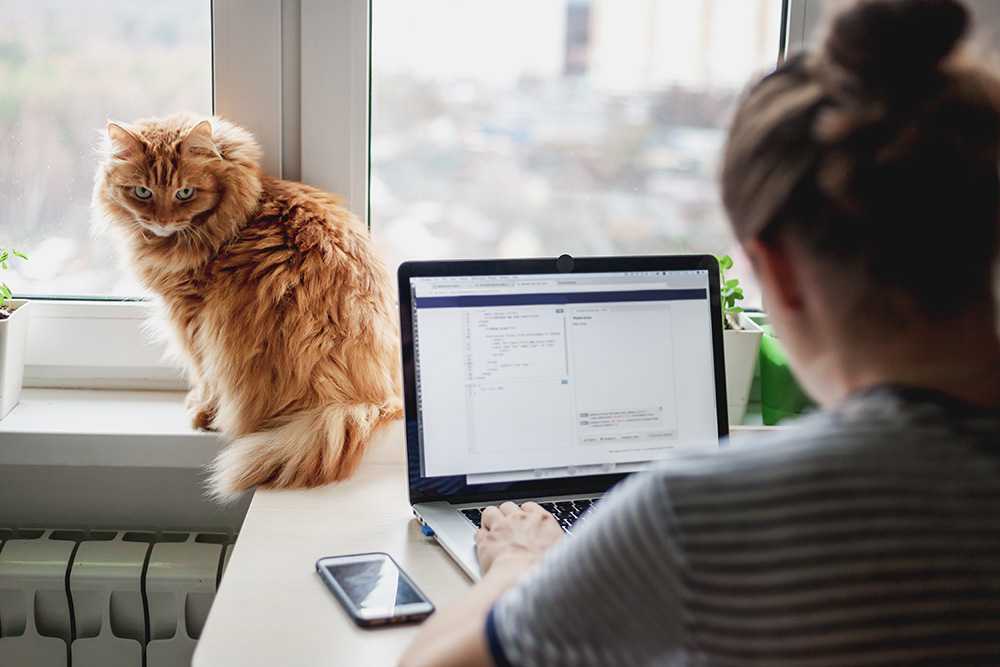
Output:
x=741 y=343
x=14 y=315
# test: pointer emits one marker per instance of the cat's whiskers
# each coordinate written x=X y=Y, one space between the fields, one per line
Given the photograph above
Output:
x=196 y=233
x=184 y=238
x=188 y=236
x=143 y=232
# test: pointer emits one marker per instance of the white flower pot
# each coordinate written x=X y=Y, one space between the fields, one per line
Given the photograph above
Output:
x=13 y=338
x=741 y=349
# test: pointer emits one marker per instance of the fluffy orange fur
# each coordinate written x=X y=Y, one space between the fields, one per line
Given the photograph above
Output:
x=279 y=305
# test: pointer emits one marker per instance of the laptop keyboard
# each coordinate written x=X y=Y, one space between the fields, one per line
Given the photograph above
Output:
x=566 y=512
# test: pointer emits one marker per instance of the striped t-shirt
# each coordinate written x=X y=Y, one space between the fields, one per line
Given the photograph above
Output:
x=869 y=535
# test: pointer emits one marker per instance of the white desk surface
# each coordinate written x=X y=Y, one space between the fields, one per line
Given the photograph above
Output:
x=272 y=609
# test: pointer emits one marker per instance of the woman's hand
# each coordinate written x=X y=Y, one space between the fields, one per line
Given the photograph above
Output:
x=511 y=540
x=512 y=534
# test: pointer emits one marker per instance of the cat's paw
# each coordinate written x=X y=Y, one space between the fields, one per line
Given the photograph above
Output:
x=202 y=413
x=203 y=419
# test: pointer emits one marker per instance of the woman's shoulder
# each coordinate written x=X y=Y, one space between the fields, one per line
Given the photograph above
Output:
x=888 y=433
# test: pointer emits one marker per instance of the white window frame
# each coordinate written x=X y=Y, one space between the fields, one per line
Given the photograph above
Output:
x=801 y=22
x=261 y=51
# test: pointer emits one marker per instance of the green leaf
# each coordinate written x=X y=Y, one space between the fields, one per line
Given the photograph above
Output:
x=725 y=262
x=733 y=283
x=4 y=255
x=18 y=253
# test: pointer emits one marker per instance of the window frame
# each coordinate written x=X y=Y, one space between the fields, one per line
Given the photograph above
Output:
x=801 y=20
x=259 y=59
x=262 y=52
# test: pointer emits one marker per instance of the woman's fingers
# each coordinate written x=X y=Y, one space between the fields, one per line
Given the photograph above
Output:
x=508 y=508
x=493 y=514
x=490 y=516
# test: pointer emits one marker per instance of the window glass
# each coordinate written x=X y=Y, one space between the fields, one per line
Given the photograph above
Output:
x=537 y=127
x=66 y=67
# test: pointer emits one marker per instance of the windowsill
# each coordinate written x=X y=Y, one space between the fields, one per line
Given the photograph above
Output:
x=147 y=429
x=85 y=427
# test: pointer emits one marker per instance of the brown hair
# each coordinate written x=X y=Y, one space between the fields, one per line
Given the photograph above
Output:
x=879 y=151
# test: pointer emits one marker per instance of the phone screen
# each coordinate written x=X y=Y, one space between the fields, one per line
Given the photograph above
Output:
x=374 y=586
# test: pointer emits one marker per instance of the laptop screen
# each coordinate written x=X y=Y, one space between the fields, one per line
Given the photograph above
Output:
x=546 y=376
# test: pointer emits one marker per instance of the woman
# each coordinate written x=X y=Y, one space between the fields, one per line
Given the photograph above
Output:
x=862 y=182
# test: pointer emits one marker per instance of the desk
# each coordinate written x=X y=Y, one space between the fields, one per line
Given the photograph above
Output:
x=272 y=609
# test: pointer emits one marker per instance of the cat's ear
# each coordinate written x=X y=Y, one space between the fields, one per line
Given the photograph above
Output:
x=199 y=141
x=125 y=145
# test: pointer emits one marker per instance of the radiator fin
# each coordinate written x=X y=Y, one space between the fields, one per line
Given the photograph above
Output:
x=106 y=598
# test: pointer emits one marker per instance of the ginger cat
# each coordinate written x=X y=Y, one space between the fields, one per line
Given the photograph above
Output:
x=281 y=309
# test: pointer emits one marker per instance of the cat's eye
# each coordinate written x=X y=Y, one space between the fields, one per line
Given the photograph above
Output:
x=142 y=193
x=184 y=194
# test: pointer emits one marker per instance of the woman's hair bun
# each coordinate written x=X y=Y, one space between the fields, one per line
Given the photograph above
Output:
x=892 y=46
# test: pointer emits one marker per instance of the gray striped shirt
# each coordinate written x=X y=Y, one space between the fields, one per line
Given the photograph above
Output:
x=865 y=536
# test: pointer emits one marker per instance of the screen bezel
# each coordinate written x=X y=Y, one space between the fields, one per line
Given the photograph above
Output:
x=378 y=613
x=430 y=489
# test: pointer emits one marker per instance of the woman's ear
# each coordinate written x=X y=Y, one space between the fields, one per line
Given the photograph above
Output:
x=779 y=280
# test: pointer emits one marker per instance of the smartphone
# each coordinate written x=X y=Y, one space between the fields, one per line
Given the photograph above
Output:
x=373 y=589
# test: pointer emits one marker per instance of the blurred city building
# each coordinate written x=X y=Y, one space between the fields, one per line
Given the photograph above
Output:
x=528 y=128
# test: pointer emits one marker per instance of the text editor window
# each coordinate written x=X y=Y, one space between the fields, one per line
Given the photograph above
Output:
x=562 y=374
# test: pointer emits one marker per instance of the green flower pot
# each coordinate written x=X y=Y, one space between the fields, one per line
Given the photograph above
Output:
x=781 y=397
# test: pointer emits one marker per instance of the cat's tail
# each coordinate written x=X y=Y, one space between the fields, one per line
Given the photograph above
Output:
x=305 y=449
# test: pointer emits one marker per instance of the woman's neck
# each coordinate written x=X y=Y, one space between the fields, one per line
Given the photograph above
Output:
x=959 y=357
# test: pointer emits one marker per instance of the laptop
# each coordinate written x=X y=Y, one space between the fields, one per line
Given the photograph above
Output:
x=552 y=380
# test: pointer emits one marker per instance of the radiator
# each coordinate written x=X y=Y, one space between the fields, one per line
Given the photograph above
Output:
x=72 y=598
